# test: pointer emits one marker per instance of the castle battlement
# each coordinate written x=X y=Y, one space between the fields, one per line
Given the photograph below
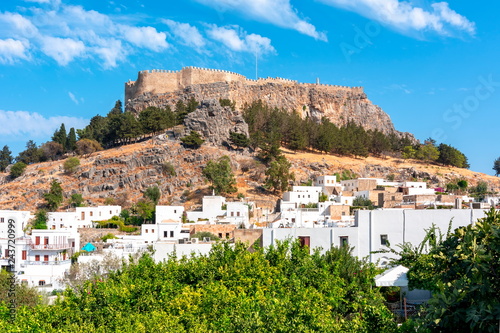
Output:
x=161 y=81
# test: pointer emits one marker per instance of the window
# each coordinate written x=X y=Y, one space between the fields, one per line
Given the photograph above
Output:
x=305 y=241
x=91 y=213
x=165 y=234
x=41 y=283
x=24 y=255
x=2 y=219
x=146 y=230
x=232 y=213
x=6 y=253
x=237 y=213
x=293 y=219
x=83 y=216
x=384 y=240
x=37 y=257
x=220 y=234
x=46 y=257
x=171 y=234
x=46 y=241
x=393 y=197
x=152 y=231
x=227 y=234
x=343 y=213
x=175 y=211
x=344 y=241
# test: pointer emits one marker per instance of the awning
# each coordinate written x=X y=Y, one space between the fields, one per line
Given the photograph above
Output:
x=393 y=277
x=89 y=247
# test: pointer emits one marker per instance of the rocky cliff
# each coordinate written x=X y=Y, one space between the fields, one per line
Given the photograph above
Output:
x=338 y=103
x=124 y=173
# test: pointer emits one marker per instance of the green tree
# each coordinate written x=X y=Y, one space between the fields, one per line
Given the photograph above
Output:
x=71 y=165
x=279 y=175
x=17 y=169
x=153 y=193
x=496 y=166
x=76 y=200
x=41 y=219
x=362 y=202
x=462 y=272
x=71 y=141
x=145 y=209
x=240 y=140
x=409 y=152
x=54 y=197
x=449 y=155
x=6 y=158
x=193 y=140
x=427 y=152
x=31 y=154
x=180 y=112
x=60 y=136
x=25 y=296
x=153 y=120
x=220 y=175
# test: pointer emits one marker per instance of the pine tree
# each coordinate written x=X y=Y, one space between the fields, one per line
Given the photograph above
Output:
x=5 y=158
x=71 y=141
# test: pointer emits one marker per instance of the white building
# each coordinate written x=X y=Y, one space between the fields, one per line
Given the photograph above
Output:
x=82 y=217
x=326 y=181
x=212 y=208
x=373 y=229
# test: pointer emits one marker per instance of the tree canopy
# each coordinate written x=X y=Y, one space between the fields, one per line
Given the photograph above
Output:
x=280 y=289
x=220 y=175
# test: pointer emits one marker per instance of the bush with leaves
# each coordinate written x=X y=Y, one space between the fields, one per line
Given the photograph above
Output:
x=41 y=219
x=71 y=165
x=17 y=169
x=193 y=140
x=220 y=175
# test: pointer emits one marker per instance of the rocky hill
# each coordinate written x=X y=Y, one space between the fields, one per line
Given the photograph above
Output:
x=340 y=104
x=124 y=173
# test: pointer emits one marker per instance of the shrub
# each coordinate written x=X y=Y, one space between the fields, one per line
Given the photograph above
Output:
x=108 y=236
x=203 y=234
x=71 y=164
x=17 y=169
x=168 y=169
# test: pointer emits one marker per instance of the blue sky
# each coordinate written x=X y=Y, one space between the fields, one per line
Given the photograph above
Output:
x=432 y=66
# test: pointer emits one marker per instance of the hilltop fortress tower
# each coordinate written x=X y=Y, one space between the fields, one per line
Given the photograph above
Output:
x=338 y=103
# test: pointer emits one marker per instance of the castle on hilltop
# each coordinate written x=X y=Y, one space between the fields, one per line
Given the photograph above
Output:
x=340 y=104
x=159 y=81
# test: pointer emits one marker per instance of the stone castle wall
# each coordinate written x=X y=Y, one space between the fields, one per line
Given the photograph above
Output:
x=158 y=81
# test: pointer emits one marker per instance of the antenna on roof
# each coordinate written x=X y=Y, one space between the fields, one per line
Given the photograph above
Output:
x=256 y=65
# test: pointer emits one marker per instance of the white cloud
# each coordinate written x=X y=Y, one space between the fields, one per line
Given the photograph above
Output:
x=73 y=98
x=17 y=25
x=146 y=37
x=189 y=35
x=406 y=17
x=62 y=50
x=277 y=12
x=238 y=40
x=23 y=123
x=66 y=32
x=12 y=50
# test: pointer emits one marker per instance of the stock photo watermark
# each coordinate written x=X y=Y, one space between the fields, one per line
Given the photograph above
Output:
x=456 y=115
x=362 y=39
x=12 y=266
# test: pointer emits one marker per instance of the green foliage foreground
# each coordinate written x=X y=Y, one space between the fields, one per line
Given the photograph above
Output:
x=280 y=289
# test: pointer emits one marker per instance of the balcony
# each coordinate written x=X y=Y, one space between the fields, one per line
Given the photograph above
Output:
x=56 y=262
x=50 y=247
